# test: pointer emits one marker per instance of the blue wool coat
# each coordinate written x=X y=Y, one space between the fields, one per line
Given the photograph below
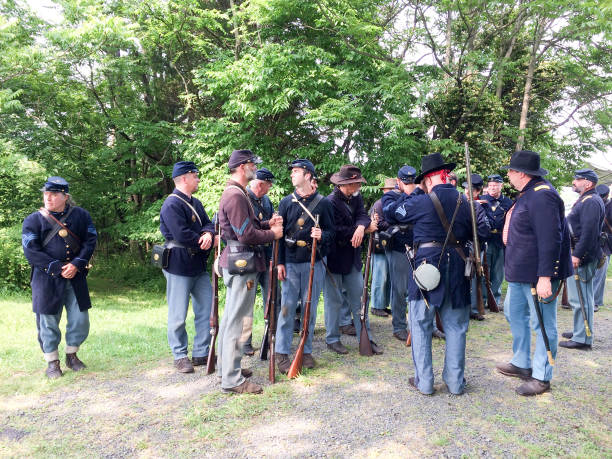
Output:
x=538 y=243
x=586 y=222
x=420 y=211
x=496 y=214
x=47 y=283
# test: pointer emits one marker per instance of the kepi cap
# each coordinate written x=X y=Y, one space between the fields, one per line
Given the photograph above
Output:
x=477 y=181
x=239 y=157
x=406 y=174
x=265 y=175
x=303 y=164
x=495 y=178
x=586 y=174
x=183 y=167
x=602 y=190
x=57 y=184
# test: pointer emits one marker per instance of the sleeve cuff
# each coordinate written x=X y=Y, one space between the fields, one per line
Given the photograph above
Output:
x=54 y=269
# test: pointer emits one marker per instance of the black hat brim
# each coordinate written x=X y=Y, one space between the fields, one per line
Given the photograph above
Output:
x=448 y=166
x=541 y=172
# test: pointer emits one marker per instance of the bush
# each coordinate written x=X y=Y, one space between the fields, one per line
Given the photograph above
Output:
x=128 y=269
x=14 y=268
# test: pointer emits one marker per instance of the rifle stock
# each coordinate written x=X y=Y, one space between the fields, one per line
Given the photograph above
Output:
x=214 y=316
x=296 y=366
x=491 y=302
x=536 y=304
x=265 y=342
x=479 y=273
x=587 y=330
x=365 y=347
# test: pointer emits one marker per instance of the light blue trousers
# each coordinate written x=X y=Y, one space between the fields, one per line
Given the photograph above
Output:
x=295 y=287
x=349 y=288
x=399 y=275
x=586 y=273
x=380 y=294
x=77 y=327
x=521 y=315
x=599 y=282
x=178 y=291
x=455 y=323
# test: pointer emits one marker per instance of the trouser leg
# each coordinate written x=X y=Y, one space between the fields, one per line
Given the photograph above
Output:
x=379 y=297
x=178 y=290
x=49 y=334
x=399 y=275
x=599 y=282
x=317 y=286
x=421 y=329
x=240 y=296
x=353 y=285
x=77 y=321
x=585 y=273
x=517 y=312
x=291 y=291
x=201 y=296
x=334 y=300
x=455 y=322
x=495 y=258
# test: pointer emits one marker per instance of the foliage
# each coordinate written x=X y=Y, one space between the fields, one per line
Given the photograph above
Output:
x=14 y=268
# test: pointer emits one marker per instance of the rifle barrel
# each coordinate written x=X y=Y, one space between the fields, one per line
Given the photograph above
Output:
x=365 y=347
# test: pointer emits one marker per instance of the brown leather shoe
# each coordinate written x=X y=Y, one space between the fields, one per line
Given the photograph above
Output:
x=477 y=317
x=53 y=370
x=507 y=369
x=183 y=365
x=533 y=387
x=199 y=361
x=73 y=362
x=438 y=334
x=348 y=330
x=567 y=335
x=338 y=347
x=283 y=363
x=308 y=361
x=379 y=312
x=247 y=387
x=376 y=349
x=402 y=335
x=247 y=349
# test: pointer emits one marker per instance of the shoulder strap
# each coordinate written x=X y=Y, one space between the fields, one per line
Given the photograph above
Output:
x=190 y=206
x=57 y=225
x=307 y=211
x=245 y=195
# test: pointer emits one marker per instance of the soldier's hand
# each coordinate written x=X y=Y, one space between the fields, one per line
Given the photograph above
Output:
x=69 y=271
x=277 y=230
x=544 y=289
x=205 y=241
x=275 y=220
x=357 y=238
x=373 y=226
x=315 y=233
x=282 y=274
x=575 y=262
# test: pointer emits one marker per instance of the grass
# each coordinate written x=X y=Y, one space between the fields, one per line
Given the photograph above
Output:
x=130 y=402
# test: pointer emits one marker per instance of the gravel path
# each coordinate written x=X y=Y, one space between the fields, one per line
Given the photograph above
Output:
x=348 y=406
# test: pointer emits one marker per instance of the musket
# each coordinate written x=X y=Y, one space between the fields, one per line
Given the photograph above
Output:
x=479 y=272
x=564 y=300
x=296 y=366
x=536 y=305
x=365 y=347
x=493 y=307
x=587 y=330
x=265 y=341
x=272 y=301
x=214 y=316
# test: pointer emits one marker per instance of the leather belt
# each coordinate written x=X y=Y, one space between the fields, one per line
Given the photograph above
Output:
x=425 y=245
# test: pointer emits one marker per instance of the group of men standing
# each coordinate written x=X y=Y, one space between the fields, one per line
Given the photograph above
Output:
x=528 y=240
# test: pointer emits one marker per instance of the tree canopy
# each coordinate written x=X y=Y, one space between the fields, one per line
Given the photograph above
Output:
x=118 y=90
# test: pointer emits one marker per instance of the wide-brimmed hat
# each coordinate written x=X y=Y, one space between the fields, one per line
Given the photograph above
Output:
x=431 y=163
x=526 y=161
x=388 y=184
x=346 y=175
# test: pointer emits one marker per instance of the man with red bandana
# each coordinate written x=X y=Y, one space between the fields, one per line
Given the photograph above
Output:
x=451 y=297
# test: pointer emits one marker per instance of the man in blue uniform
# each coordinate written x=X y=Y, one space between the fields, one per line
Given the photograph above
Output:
x=599 y=284
x=451 y=297
x=380 y=294
x=258 y=194
x=401 y=238
x=537 y=242
x=58 y=242
x=189 y=236
x=496 y=205
x=298 y=210
x=585 y=223
x=345 y=281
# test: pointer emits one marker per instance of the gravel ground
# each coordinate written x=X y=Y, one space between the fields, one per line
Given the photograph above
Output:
x=347 y=406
